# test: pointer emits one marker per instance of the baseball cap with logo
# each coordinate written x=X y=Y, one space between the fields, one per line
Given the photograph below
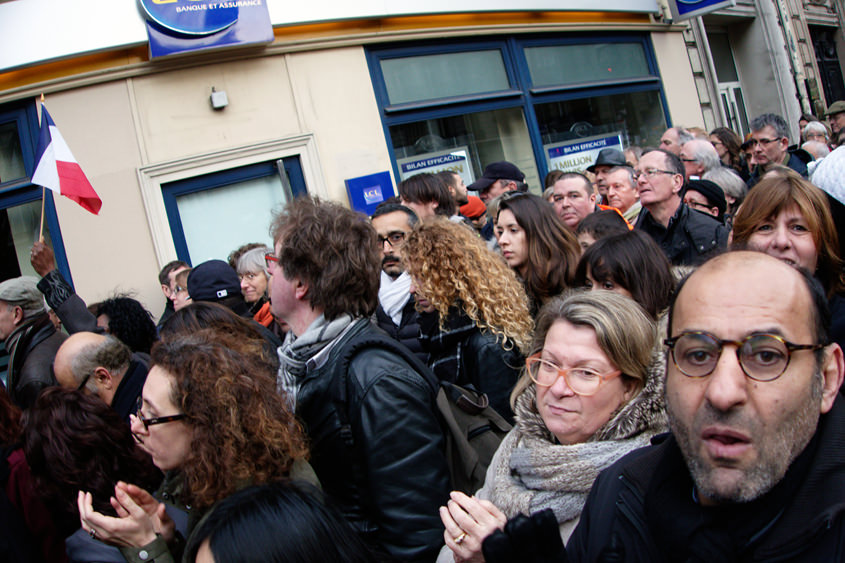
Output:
x=213 y=280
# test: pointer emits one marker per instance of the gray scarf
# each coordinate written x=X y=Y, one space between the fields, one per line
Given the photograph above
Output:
x=295 y=351
x=540 y=473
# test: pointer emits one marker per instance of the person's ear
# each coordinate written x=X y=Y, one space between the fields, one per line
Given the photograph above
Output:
x=17 y=314
x=833 y=371
x=103 y=378
x=301 y=289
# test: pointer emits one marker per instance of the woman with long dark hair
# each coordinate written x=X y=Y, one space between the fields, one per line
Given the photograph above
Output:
x=536 y=245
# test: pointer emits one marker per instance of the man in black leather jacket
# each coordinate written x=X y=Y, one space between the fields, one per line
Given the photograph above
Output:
x=386 y=469
x=754 y=469
x=686 y=236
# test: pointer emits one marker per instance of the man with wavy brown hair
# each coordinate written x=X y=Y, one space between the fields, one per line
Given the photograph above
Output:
x=376 y=442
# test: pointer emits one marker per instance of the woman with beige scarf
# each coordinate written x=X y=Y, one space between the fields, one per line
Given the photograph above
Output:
x=590 y=393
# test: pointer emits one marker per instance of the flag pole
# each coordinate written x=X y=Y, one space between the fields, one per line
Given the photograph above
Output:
x=43 y=197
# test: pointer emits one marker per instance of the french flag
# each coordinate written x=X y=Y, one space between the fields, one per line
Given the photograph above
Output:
x=58 y=170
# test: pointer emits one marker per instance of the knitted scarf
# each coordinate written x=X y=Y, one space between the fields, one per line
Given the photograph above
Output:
x=540 y=473
x=296 y=351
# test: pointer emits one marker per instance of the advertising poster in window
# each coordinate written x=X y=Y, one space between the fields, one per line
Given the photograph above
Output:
x=455 y=160
x=578 y=154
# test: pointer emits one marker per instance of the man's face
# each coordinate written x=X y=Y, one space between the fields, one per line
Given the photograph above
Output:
x=573 y=200
x=620 y=193
x=660 y=186
x=392 y=228
x=460 y=189
x=601 y=180
x=738 y=435
x=10 y=316
x=837 y=122
x=171 y=286
x=496 y=189
x=767 y=148
x=670 y=141
x=691 y=166
x=282 y=290
x=697 y=201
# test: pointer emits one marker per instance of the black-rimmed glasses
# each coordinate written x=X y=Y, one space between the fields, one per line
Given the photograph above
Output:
x=762 y=357
x=147 y=422
x=393 y=238
x=83 y=382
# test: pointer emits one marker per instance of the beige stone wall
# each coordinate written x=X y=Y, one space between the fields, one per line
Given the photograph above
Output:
x=678 y=83
x=120 y=126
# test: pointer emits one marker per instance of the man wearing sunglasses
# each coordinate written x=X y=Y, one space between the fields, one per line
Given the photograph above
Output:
x=753 y=467
x=769 y=145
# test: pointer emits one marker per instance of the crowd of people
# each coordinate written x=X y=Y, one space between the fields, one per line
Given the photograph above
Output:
x=289 y=403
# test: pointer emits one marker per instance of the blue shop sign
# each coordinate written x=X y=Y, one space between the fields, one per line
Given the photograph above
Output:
x=180 y=26
x=685 y=9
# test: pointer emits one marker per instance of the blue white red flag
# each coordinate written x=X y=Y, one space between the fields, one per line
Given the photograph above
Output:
x=57 y=169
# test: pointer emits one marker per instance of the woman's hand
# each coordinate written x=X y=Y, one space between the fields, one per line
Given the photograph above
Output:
x=162 y=523
x=133 y=528
x=468 y=521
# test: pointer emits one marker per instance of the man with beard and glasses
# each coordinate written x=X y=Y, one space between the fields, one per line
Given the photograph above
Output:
x=396 y=312
x=754 y=468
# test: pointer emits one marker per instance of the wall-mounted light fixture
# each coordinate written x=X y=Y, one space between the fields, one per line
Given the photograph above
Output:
x=219 y=100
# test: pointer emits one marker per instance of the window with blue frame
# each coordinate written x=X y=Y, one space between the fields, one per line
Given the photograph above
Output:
x=515 y=98
x=213 y=214
x=20 y=200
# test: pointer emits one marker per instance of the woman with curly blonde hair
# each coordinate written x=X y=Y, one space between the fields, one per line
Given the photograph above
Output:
x=474 y=315
x=211 y=419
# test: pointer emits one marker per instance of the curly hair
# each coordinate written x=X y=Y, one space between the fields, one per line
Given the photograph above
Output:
x=72 y=442
x=553 y=250
x=242 y=429
x=130 y=322
x=453 y=265
x=777 y=192
x=334 y=251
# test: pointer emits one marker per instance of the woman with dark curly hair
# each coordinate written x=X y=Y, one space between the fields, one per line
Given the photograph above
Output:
x=537 y=245
x=474 y=322
x=129 y=321
x=74 y=441
x=211 y=419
